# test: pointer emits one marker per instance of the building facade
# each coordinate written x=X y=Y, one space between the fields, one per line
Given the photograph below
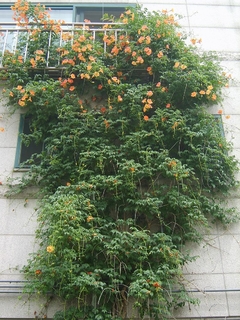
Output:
x=214 y=277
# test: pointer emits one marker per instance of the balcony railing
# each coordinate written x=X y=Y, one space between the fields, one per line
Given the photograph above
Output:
x=17 y=40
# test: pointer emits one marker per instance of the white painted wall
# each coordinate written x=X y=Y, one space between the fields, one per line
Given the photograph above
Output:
x=217 y=22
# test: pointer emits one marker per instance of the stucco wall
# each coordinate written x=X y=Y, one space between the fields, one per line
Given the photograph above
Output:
x=217 y=269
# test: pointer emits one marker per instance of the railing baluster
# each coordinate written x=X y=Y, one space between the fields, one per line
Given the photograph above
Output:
x=15 y=41
x=49 y=45
x=26 y=47
x=4 y=46
x=104 y=42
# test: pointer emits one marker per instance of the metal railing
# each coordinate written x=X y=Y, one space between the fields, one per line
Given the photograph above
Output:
x=15 y=40
x=12 y=286
x=17 y=286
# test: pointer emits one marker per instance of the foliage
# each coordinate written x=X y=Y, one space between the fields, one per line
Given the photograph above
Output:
x=133 y=165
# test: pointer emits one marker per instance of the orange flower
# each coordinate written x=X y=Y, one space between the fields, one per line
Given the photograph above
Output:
x=149 y=93
x=69 y=80
x=38 y=272
x=21 y=103
x=168 y=105
x=11 y=94
x=107 y=125
x=89 y=218
x=214 y=97
x=132 y=169
x=158 y=84
x=89 y=67
x=103 y=110
x=156 y=285
x=176 y=65
x=39 y=52
x=72 y=88
x=147 y=107
x=120 y=99
x=100 y=86
x=172 y=163
x=140 y=59
x=210 y=87
x=128 y=50
x=81 y=57
x=146 y=118
x=175 y=125
x=148 y=40
x=141 y=39
x=202 y=92
x=33 y=62
x=72 y=76
x=193 y=40
x=220 y=112
x=91 y=58
x=144 y=28
x=116 y=80
x=148 y=51
x=149 y=101
x=95 y=74
x=115 y=50
x=183 y=66
x=20 y=59
x=50 y=249
x=193 y=94
x=149 y=70
x=160 y=54
x=227 y=117
x=2 y=129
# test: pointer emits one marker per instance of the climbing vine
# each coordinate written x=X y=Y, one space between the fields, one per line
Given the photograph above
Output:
x=133 y=165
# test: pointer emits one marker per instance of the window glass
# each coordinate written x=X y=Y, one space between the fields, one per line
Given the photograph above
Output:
x=24 y=152
x=62 y=14
x=6 y=15
x=96 y=14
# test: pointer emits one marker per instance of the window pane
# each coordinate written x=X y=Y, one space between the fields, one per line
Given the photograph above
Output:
x=24 y=152
x=62 y=14
x=96 y=14
x=6 y=15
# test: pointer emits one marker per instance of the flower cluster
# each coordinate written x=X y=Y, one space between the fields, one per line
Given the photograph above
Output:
x=124 y=176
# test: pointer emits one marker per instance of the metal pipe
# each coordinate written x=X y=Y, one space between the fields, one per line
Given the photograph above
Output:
x=3 y=285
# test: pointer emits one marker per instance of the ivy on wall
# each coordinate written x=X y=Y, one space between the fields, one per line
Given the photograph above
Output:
x=133 y=165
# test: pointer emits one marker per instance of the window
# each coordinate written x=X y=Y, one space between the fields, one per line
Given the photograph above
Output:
x=24 y=152
x=75 y=13
x=61 y=13
x=6 y=14
x=218 y=119
x=95 y=13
